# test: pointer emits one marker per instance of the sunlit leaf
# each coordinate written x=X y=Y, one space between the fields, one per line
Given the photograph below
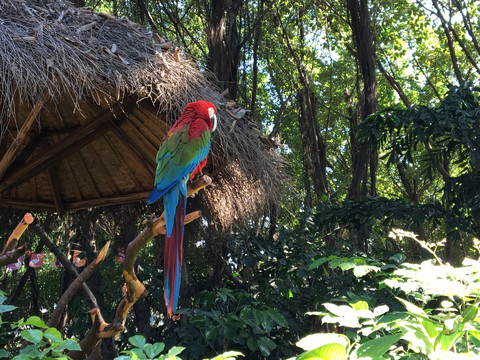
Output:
x=35 y=321
x=333 y=351
x=377 y=347
x=314 y=341
x=32 y=335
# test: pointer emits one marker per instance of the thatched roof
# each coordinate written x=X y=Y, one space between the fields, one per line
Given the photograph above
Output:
x=85 y=101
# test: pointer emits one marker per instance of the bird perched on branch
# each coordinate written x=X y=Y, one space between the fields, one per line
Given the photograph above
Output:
x=182 y=154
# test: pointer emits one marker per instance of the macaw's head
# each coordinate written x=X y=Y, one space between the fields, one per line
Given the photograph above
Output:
x=208 y=110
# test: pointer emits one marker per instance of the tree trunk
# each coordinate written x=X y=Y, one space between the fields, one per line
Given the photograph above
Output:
x=223 y=43
x=362 y=155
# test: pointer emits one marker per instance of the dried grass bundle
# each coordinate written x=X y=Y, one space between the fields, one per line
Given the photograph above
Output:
x=76 y=55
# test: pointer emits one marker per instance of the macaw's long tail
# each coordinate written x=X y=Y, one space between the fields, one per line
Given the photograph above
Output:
x=173 y=257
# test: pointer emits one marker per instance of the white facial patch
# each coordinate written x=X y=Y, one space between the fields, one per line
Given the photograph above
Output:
x=211 y=112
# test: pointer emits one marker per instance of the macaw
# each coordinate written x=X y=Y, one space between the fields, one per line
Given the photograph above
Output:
x=182 y=154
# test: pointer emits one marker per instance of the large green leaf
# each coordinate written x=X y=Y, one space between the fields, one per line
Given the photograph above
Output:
x=314 y=341
x=4 y=353
x=377 y=347
x=152 y=350
x=69 y=344
x=317 y=263
x=32 y=335
x=277 y=317
x=137 y=341
x=211 y=332
x=6 y=308
x=333 y=351
x=266 y=345
x=53 y=335
x=35 y=321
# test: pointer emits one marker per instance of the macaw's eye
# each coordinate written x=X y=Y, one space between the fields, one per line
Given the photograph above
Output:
x=211 y=112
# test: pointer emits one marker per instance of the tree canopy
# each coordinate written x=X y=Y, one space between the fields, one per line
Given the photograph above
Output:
x=374 y=107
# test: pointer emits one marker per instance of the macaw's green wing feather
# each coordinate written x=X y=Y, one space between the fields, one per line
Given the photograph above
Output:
x=177 y=158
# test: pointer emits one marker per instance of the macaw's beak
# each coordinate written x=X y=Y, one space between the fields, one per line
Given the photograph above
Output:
x=214 y=122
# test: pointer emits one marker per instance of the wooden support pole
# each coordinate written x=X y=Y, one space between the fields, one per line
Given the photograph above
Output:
x=9 y=156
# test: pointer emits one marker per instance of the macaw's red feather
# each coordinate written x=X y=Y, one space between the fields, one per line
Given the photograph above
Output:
x=173 y=257
x=198 y=168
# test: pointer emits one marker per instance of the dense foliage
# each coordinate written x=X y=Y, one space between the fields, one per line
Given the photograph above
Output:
x=375 y=108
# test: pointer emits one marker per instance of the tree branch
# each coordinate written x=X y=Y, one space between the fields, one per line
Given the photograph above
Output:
x=135 y=288
x=92 y=301
x=75 y=285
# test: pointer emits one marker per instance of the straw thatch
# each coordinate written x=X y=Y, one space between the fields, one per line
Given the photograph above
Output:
x=85 y=101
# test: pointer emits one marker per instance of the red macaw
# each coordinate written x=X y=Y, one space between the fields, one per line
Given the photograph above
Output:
x=182 y=154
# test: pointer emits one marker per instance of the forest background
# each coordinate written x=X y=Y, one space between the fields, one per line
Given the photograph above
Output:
x=373 y=105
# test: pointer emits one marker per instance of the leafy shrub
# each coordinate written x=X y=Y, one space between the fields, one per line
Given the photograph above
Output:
x=143 y=351
x=438 y=317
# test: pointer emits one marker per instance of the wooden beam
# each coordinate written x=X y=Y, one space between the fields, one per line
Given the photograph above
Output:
x=77 y=205
x=107 y=201
x=87 y=133
x=12 y=151
x=26 y=204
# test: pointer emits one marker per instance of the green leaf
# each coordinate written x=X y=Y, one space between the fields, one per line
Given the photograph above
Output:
x=377 y=347
x=32 y=335
x=252 y=344
x=398 y=258
x=138 y=353
x=414 y=309
x=448 y=341
x=31 y=350
x=314 y=341
x=470 y=313
x=211 y=332
x=277 y=317
x=69 y=344
x=4 y=353
x=347 y=265
x=174 y=351
x=360 y=305
x=6 y=308
x=229 y=355
x=22 y=357
x=317 y=263
x=266 y=345
x=152 y=350
x=331 y=351
x=137 y=341
x=430 y=328
x=53 y=335
x=35 y=321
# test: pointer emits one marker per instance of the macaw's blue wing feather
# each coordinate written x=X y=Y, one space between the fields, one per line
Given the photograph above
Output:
x=173 y=257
